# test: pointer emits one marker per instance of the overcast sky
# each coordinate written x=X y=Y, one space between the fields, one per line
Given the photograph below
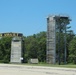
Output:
x=29 y=16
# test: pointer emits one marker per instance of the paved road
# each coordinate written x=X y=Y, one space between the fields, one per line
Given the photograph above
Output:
x=10 y=69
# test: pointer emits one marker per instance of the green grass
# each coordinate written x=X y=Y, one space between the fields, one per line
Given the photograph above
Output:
x=50 y=65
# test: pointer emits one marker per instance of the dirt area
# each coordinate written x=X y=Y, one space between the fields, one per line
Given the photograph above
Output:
x=12 y=69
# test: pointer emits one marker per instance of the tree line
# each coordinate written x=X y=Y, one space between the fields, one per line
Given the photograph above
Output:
x=35 y=47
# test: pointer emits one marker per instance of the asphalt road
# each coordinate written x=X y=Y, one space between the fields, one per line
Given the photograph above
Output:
x=11 y=69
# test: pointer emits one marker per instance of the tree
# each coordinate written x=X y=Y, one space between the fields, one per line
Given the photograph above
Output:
x=5 y=47
x=36 y=46
x=72 y=51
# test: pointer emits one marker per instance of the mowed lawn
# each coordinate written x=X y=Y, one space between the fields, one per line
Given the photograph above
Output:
x=55 y=65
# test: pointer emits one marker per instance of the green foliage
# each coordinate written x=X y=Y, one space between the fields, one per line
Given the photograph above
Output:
x=36 y=46
x=72 y=51
x=69 y=36
x=5 y=46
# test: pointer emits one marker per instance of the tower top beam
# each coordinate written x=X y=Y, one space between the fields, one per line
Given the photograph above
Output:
x=60 y=16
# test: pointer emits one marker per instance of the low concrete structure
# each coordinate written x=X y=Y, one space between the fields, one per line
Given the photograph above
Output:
x=33 y=61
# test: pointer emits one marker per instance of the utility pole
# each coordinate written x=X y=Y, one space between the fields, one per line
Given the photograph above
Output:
x=65 y=51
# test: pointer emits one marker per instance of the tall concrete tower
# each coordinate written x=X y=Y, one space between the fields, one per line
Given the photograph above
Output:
x=16 y=50
x=55 y=23
x=51 y=40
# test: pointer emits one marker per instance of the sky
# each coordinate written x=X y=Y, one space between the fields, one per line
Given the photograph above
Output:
x=29 y=16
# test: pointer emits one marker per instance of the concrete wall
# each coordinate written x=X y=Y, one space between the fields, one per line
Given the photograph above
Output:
x=16 y=50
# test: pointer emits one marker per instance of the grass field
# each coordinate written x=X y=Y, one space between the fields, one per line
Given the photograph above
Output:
x=50 y=65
